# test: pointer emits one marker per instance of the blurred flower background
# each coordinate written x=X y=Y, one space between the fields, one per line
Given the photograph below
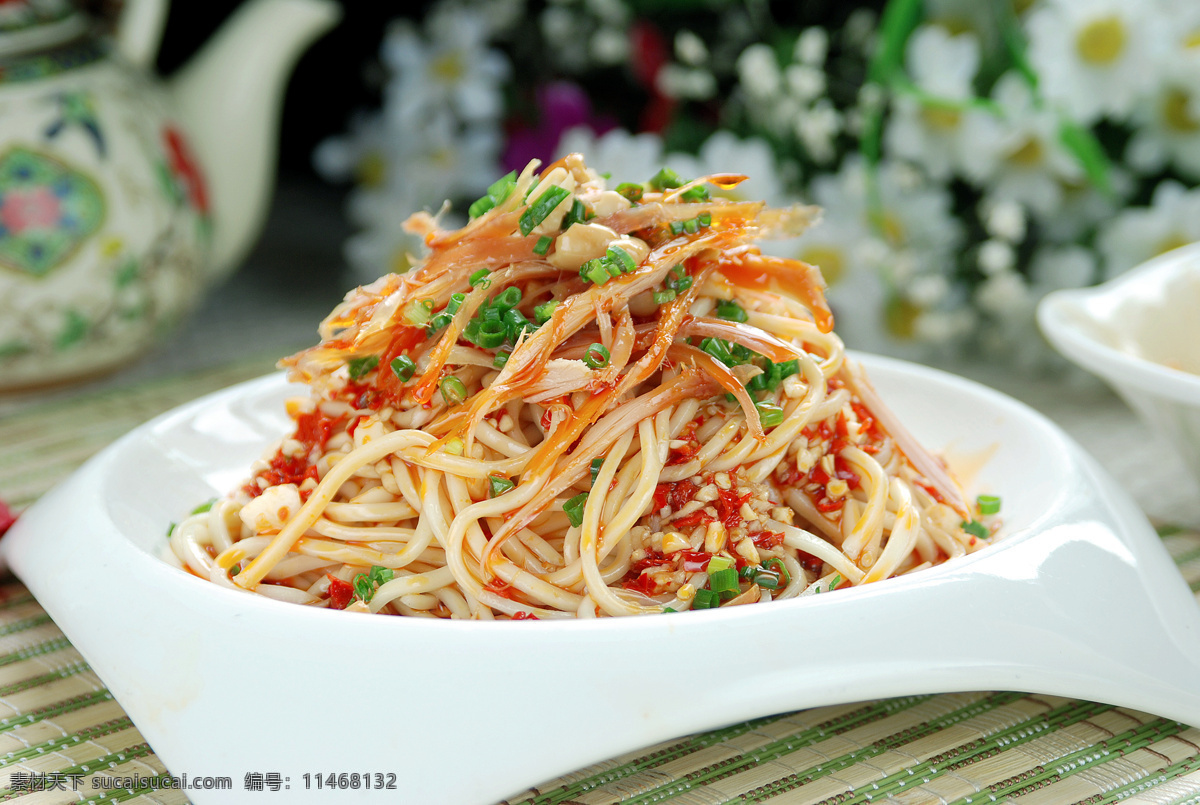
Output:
x=970 y=155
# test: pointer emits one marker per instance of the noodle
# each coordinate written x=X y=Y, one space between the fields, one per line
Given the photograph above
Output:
x=584 y=403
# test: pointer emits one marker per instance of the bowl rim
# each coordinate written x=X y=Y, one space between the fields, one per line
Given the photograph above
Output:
x=1059 y=312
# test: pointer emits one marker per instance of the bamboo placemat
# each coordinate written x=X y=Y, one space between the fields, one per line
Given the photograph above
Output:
x=63 y=738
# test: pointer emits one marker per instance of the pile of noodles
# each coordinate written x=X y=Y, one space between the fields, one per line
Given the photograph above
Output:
x=686 y=414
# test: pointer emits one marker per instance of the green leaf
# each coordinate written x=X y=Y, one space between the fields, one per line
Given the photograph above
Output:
x=1084 y=146
x=900 y=19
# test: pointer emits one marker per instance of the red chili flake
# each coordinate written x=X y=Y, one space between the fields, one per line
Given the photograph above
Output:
x=826 y=505
x=314 y=429
x=810 y=563
x=525 y=616
x=729 y=505
x=353 y=426
x=661 y=493
x=842 y=470
x=7 y=517
x=696 y=518
x=767 y=539
x=931 y=489
x=651 y=559
x=500 y=587
x=684 y=454
x=340 y=592
x=695 y=561
x=681 y=493
x=642 y=583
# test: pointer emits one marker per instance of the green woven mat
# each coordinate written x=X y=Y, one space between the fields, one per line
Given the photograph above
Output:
x=64 y=739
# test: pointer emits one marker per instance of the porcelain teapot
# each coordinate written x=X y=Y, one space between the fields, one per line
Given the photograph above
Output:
x=122 y=196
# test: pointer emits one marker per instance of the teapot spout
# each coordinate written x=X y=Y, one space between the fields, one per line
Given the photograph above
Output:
x=229 y=98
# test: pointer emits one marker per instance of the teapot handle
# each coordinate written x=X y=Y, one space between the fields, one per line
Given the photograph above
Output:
x=140 y=29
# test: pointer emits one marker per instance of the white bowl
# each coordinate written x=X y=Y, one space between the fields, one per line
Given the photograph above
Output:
x=1079 y=599
x=1140 y=332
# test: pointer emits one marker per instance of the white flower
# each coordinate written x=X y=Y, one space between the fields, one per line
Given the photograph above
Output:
x=1004 y=294
x=996 y=256
x=1167 y=129
x=627 y=157
x=883 y=276
x=723 y=152
x=609 y=46
x=1032 y=164
x=812 y=46
x=816 y=127
x=1139 y=233
x=1004 y=220
x=678 y=81
x=1095 y=57
x=804 y=82
x=450 y=67
x=940 y=138
x=758 y=72
x=690 y=49
x=1055 y=267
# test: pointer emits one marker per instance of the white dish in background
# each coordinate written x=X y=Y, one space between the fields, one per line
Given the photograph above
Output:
x=1140 y=333
x=1079 y=599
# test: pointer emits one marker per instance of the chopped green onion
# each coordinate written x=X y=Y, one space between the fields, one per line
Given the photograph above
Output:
x=691 y=226
x=665 y=179
x=507 y=299
x=748 y=572
x=975 y=527
x=767 y=579
x=358 y=367
x=835 y=581
x=668 y=609
x=543 y=312
x=543 y=244
x=438 y=322
x=731 y=311
x=788 y=368
x=403 y=367
x=724 y=582
x=418 y=312
x=676 y=227
x=621 y=257
x=696 y=193
x=769 y=414
x=204 y=507
x=497 y=193
x=718 y=563
x=480 y=278
x=171 y=529
x=662 y=297
x=596 y=356
x=631 y=191
x=779 y=569
x=491 y=334
x=706 y=599
x=233 y=571
x=988 y=504
x=576 y=215
x=501 y=359
x=454 y=391
x=456 y=300
x=596 y=462
x=719 y=349
x=538 y=210
x=595 y=271
x=365 y=584
x=498 y=486
x=574 y=508
x=612 y=268
x=704 y=218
